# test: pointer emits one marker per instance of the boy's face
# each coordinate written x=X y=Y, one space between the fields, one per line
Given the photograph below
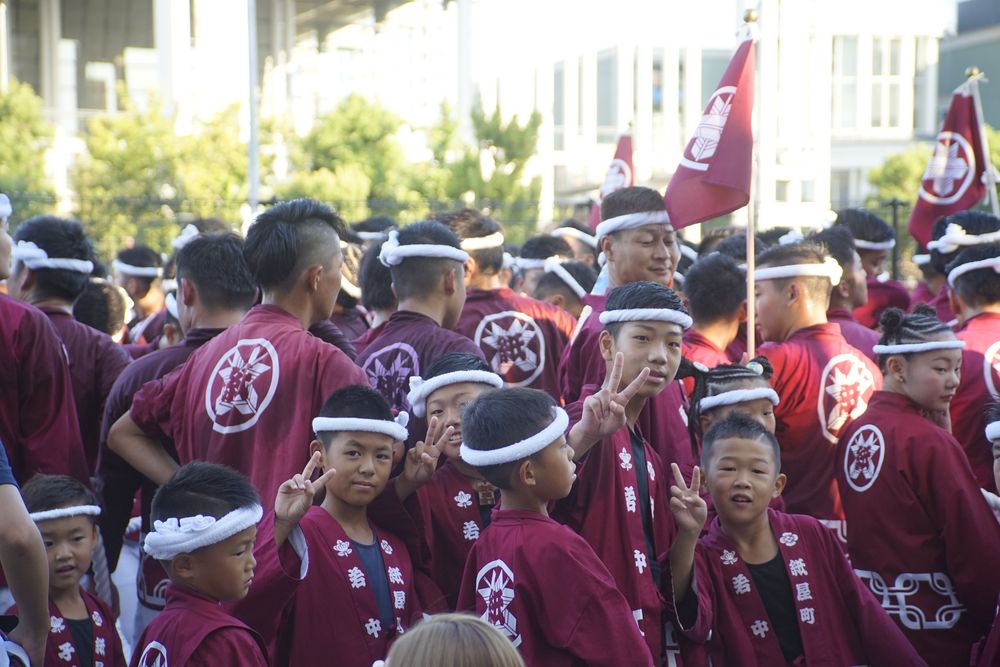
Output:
x=649 y=252
x=859 y=282
x=742 y=477
x=68 y=545
x=873 y=261
x=363 y=461
x=553 y=471
x=223 y=571
x=656 y=345
x=773 y=309
x=447 y=404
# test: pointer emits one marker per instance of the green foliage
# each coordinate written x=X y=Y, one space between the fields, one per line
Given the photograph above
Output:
x=213 y=168
x=24 y=138
x=345 y=188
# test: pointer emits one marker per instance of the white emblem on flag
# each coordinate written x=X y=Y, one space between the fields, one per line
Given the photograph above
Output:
x=57 y=624
x=729 y=557
x=807 y=615
x=513 y=344
x=741 y=585
x=863 y=457
x=463 y=499
x=343 y=548
x=950 y=171
x=619 y=176
x=760 y=628
x=356 y=577
x=640 y=560
x=625 y=458
x=797 y=566
x=991 y=369
x=845 y=388
x=389 y=371
x=789 y=539
x=495 y=585
x=154 y=655
x=706 y=137
x=470 y=531
x=242 y=385
x=395 y=576
x=373 y=627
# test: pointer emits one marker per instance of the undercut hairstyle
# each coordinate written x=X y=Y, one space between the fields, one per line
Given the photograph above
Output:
x=635 y=199
x=712 y=238
x=865 y=225
x=454 y=640
x=289 y=237
x=144 y=256
x=378 y=224
x=354 y=402
x=501 y=417
x=52 y=492
x=641 y=294
x=800 y=253
x=203 y=488
x=100 y=306
x=216 y=266
x=974 y=223
x=63 y=239
x=838 y=243
x=550 y=283
x=543 y=246
x=898 y=328
x=349 y=271
x=715 y=288
x=375 y=281
x=720 y=379
x=420 y=276
x=454 y=362
x=979 y=287
x=744 y=427
x=468 y=223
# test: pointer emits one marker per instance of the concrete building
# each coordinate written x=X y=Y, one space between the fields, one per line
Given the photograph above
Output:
x=975 y=43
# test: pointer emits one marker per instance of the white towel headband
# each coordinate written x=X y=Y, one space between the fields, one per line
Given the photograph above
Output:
x=494 y=240
x=187 y=234
x=554 y=265
x=906 y=348
x=141 y=271
x=420 y=389
x=172 y=537
x=875 y=245
x=393 y=254
x=829 y=269
x=791 y=238
x=526 y=263
x=955 y=236
x=371 y=236
x=64 y=512
x=395 y=429
x=738 y=396
x=993 y=431
x=34 y=257
x=631 y=221
x=689 y=252
x=962 y=269
x=170 y=303
x=589 y=239
x=922 y=259
x=647 y=315
x=518 y=450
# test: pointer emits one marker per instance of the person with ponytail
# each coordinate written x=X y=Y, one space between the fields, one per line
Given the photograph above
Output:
x=919 y=532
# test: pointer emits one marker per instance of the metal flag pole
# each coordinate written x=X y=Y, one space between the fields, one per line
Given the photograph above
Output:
x=750 y=18
x=989 y=171
x=253 y=147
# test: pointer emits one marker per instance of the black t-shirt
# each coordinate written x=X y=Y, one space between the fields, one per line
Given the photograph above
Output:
x=775 y=592
x=6 y=474
x=371 y=561
x=83 y=640
x=642 y=481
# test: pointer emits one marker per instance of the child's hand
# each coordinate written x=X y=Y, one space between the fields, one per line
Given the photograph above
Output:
x=295 y=496
x=604 y=412
x=689 y=509
x=421 y=461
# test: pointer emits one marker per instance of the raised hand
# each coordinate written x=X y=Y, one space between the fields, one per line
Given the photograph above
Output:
x=689 y=509
x=295 y=496
x=421 y=461
x=604 y=412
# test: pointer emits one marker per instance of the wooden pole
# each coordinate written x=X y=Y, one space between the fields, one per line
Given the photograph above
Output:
x=750 y=17
x=975 y=75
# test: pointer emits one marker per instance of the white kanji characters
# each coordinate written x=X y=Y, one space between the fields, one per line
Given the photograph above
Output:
x=789 y=539
x=96 y=617
x=760 y=628
x=640 y=560
x=57 y=624
x=99 y=646
x=343 y=548
x=626 y=459
x=650 y=471
x=637 y=615
x=741 y=584
x=66 y=651
x=463 y=499
x=373 y=627
x=395 y=576
x=630 y=498
x=386 y=547
x=729 y=557
x=802 y=592
x=356 y=577
x=807 y=615
x=470 y=531
x=399 y=599
x=98 y=663
x=797 y=566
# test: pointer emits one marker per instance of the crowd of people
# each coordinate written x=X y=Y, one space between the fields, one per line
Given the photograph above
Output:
x=419 y=445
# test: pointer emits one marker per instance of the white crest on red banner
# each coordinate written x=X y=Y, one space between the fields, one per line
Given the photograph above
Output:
x=950 y=171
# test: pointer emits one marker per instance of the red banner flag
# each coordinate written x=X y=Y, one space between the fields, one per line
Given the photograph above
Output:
x=713 y=177
x=620 y=175
x=954 y=179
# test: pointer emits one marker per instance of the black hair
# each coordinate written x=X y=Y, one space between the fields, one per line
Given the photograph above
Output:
x=100 y=306
x=143 y=256
x=641 y=294
x=375 y=281
x=216 y=265
x=52 y=492
x=735 y=247
x=287 y=238
x=992 y=412
x=974 y=223
x=354 y=401
x=203 y=488
x=570 y=223
x=635 y=199
x=772 y=236
x=456 y=361
x=501 y=417
x=738 y=425
x=710 y=239
x=376 y=224
x=468 y=223
x=714 y=381
x=865 y=225
x=349 y=271
x=804 y=252
x=550 y=282
x=420 y=276
x=839 y=243
x=898 y=328
x=59 y=238
x=543 y=246
x=979 y=286
x=715 y=288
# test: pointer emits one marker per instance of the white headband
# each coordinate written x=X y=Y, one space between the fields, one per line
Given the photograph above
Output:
x=420 y=389
x=189 y=232
x=393 y=254
x=494 y=240
x=169 y=285
x=526 y=263
x=172 y=537
x=554 y=265
x=875 y=245
x=64 y=512
x=589 y=239
x=141 y=271
x=791 y=238
x=689 y=252
x=955 y=236
x=738 y=396
x=993 y=431
x=631 y=221
x=829 y=269
x=171 y=305
x=371 y=236
x=906 y=348
x=350 y=288
x=509 y=261
x=6 y=210
x=962 y=269
x=395 y=429
x=647 y=315
x=518 y=450
x=922 y=259
x=34 y=257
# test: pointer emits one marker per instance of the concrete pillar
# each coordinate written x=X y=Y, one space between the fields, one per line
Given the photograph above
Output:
x=642 y=132
x=172 y=37
x=50 y=30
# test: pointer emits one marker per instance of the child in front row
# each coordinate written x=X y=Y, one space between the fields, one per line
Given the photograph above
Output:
x=763 y=587
x=537 y=581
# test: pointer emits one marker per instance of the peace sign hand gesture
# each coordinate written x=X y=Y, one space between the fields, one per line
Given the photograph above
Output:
x=295 y=496
x=604 y=412
x=421 y=461
x=689 y=509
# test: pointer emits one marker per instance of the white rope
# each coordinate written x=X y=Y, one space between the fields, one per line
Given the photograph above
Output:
x=395 y=429
x=33 y=257
x=371 y=236
x=689 y=252
x=518 y=450
x=420 y=389
x=647 y=315
x=955 y=236
x=141 y=271
x=572 y=232
x=791 y=238
x=738 y=396
x=907 y=348
x=65 y=512
x=174 y=536
x=187 y=234
x=993 y=431
x=494 y=240
x=631 y=221
x=527 y=263
x=962 y=269
x=393 y=254
x=829 y=269
x=875 y=245
x=554 y=265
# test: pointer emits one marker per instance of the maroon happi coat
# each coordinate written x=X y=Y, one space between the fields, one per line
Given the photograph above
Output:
x=919 y=532
x=987 y=653
x=106 y=648
x=824 y=384
x=856 y=334
x=979 y=386
x=196 y=631
x=147 y=329
x=546 y=590
x=247 y=398
x=882 y=294
x=702 y=350
x=839 y=621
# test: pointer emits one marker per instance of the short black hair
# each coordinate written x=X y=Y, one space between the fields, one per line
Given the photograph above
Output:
x=899 y=328
x=203 y=488
x=357 y=402
x=839 y=243
x=715 y=288
x=142 y=256
x=468 y=223
x=738 y=425
x=864 y=225
x=375 y=281
x=501 y=417
x=551 y=282
x=978 y=287
x=641 y=294
x=215 y=264
x=100 y=306
x=52 y=492
x=804 y=252
x=734 y=246
x=287 y=238
x=63 y=239
x=974 y=223
x=456 y=361
x=420 y=276
x=711 y=238
x=721 y=378
x=378 y=224
x=636 y=199
x=543 y=246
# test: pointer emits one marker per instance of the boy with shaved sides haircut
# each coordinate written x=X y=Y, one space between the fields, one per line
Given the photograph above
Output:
x=717 y=298
x=566 y=285
x=951 y=235
x=221 y=406
x=874 y=240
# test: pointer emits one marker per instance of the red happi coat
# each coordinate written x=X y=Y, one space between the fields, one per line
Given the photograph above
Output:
x=545 y=589
x=980 y=385
x=194 y=630
x=882 y=294
x=919 y=532
x=107 y=647
x=856 y=334
x=522 y=338
x=840 y=623
x=701 y=350
x=824 y=384
x=330 y=614
x=987 y=653
x=942 y=305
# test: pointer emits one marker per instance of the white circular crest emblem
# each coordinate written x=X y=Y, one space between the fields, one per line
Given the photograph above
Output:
x=845 y=388
x=154 y=655
x=495 y=585
x=950 y=170
x=389 y=371
x=619 y=176
x=513 y=344
x=242 y=385
x=864 y=457
x=991 y=369
x=706 y=137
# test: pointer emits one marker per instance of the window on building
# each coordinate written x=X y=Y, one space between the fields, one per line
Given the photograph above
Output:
x=559 y=105
x=845 y=83
x=840 y=188
x=657 y=82
x=781 y=190
x=607 y=96
x=808 y=190
x=887 y=84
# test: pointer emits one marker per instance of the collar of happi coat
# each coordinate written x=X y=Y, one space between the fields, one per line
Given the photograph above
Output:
x=60 y=649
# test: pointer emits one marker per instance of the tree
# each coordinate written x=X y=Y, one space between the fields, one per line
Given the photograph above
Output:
x=24 y=138
x=345 y=188
x=213 y=168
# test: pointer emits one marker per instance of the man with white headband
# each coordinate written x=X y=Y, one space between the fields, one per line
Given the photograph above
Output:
x=536 y=581
x=874 y=240
x=139 y=270
x=581 y=239
x=52 y=264
x=566 y=285
x=818 y=376
x=914 y=510
x=521 y=337
x=530 y=263
x=951 y=235
x=851 y=292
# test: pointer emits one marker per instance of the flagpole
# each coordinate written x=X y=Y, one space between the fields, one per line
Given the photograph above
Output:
x=989 y=171
x=749 y=18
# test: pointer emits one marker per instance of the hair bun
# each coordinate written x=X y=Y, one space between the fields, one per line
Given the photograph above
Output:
x=762 y=366
x=924 y=310
x=891 y=321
